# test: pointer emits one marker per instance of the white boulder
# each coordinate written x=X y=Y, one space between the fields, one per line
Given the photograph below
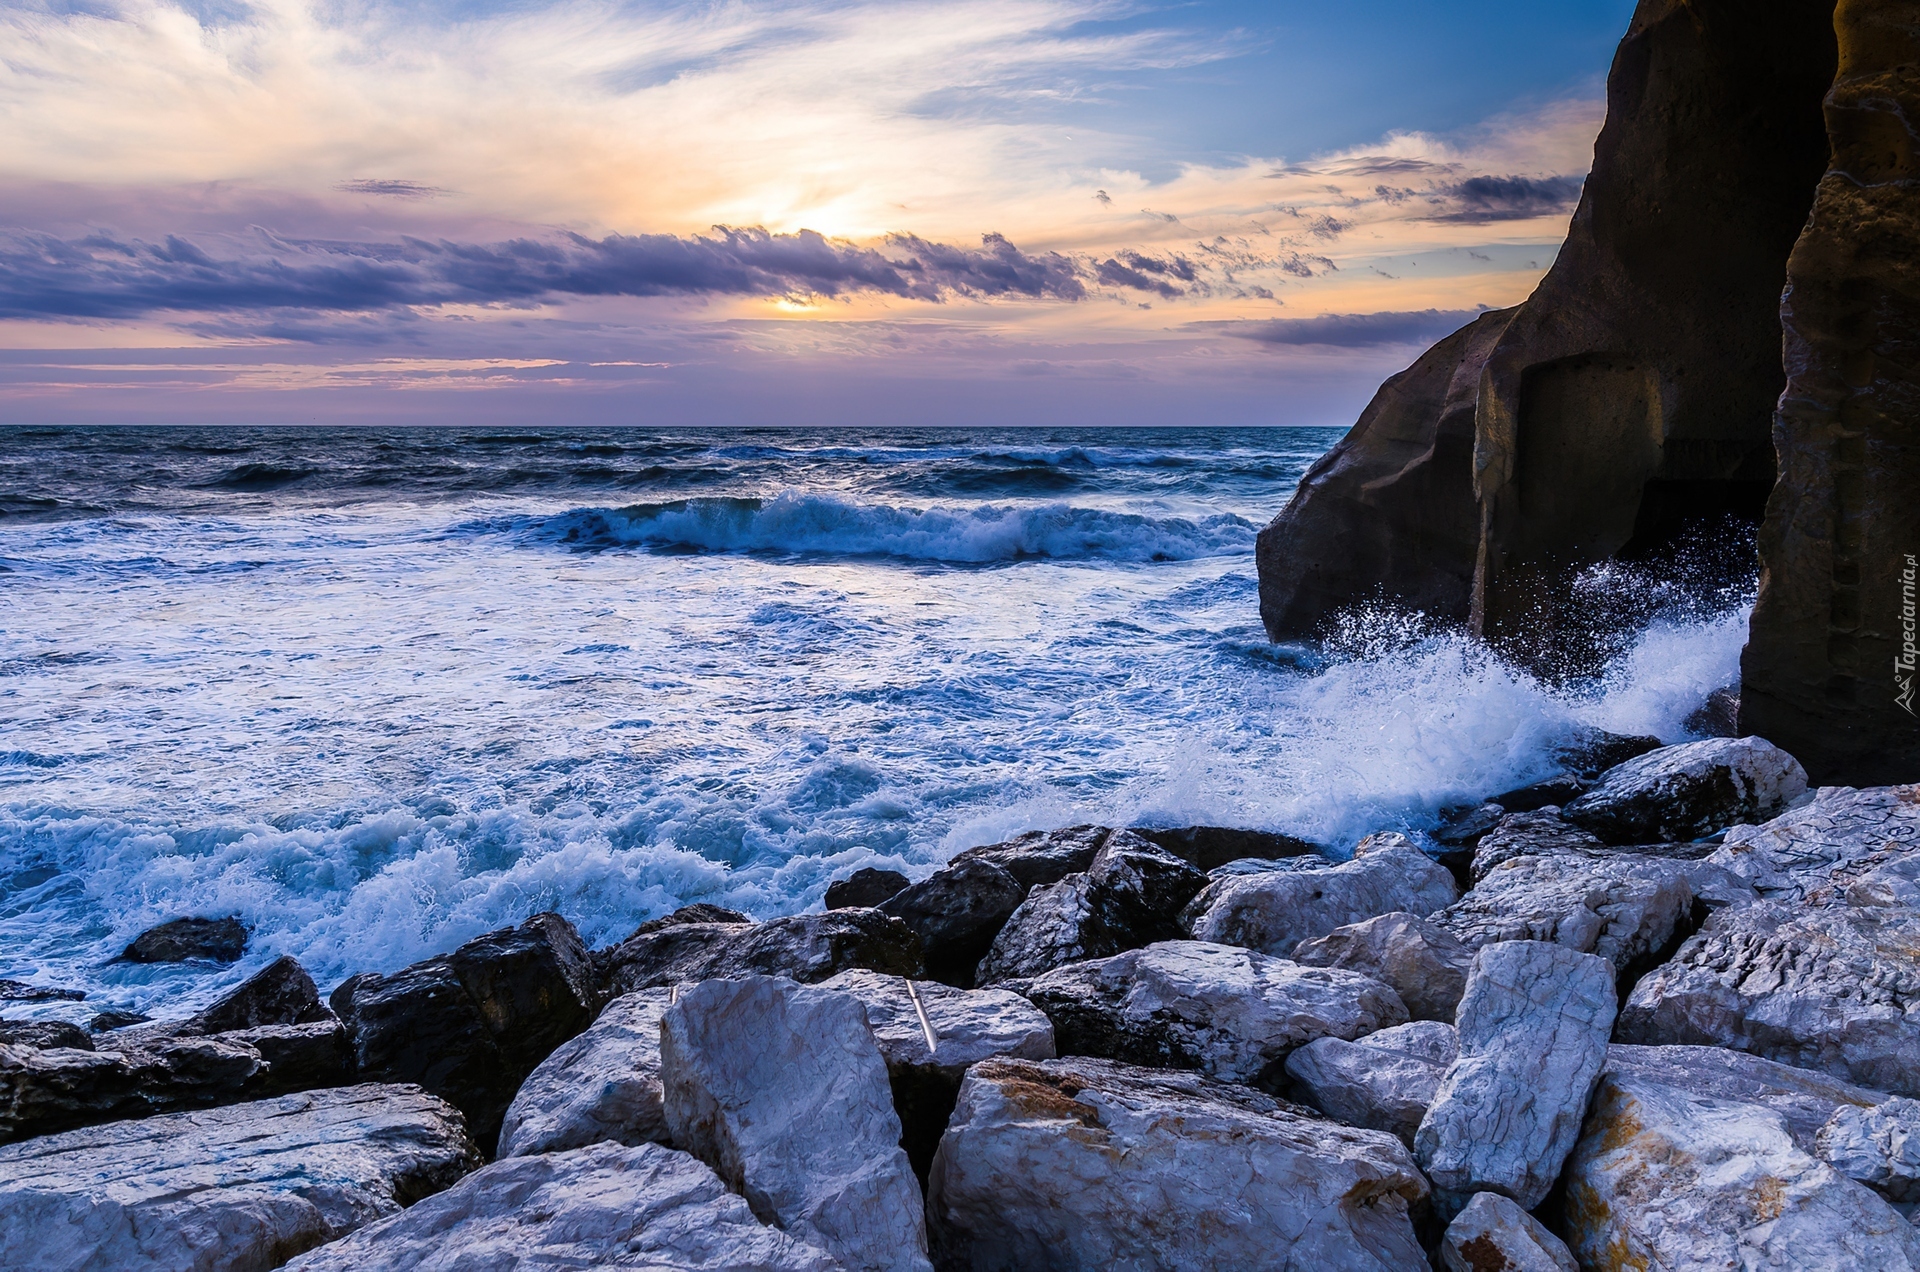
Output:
x=1533 y=1029
x=968 y=1025
x=781 y=1088
x=1274 y=910
x=603 y=1084
x=1685 y=791
x=1232 y=1013
x=605 y=1206
x=1082 y=1164
x=1494 y=1235
x=1806 y=1098
x=1623 y=907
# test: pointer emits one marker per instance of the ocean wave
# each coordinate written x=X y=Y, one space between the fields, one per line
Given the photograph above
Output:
x=823 y=525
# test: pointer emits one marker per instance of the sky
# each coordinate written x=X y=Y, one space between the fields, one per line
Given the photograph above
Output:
x=892 y=212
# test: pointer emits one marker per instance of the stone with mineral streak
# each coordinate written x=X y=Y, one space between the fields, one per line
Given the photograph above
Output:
x=1805 y=1098
x=1494 y=1235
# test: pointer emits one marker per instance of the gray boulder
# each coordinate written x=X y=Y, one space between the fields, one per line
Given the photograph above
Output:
x=1666 y=1179
x=246 y=1186
x=1793 y=854
x=1685 y=791
x=605 y=1206
x=281 y=993
x=1131 y=895
x=1274 y=910
x=803 y=947
x=1082 y=1164
x=956 y=912
x=1232 y=1013
x=1423 y=963
x=1384 y=1081
x=41 y=1034
x=1624 y=907
x=1879 y=1146
x=781 y=1088
x=1494 y=1235
x=1533 y=1029
x=1804 y=1098
x=603 y=1085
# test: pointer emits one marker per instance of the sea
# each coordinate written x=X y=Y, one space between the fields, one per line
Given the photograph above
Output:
x=377 y=691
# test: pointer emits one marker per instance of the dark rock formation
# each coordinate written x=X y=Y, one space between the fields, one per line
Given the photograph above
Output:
x=108 y=1020
x=471 y=1025
x=1829 y=671
x=803 y=947
x=1390 y=511
x=281 y=993
x=1210 y=847
x=1042 y=856
x=46 y=1091
x=957 y=912
x=865 y=888
x=177 y=940
x=43 y=1034
x=21 y=992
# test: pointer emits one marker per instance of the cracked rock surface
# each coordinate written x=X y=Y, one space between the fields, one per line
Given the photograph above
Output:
x=1796 y=852
x=1879 y=1146
x=1683 y=792
x=1623 y=907
x=1273 y=910
x=1806 y=1098
x=603 y=1085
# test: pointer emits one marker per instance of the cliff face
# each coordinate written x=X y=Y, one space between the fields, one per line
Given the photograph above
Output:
x=1829 y=670
x=1629 y=399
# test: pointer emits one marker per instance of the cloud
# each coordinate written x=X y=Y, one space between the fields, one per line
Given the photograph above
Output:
x=105 y=276
x=1480 y=199
x=391 y=189
x=1350 y=331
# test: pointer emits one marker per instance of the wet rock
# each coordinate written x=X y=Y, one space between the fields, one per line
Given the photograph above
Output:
x=968 y=1026
x=1625 y=907
x=1591 y=752
x=1832 y=987
x=1797 y=851
x=1494 y=1235
x=1274 y=911
x=106 y=1020
x=1229 y=1012
x=1533 y=1029
x=606 y=1206
x=1685 y=791
x=471 y=1025
x=865 y=888
x=1805 y=1099
x=1383 y=1081
x=698 y=912
x=1666 y=1179
x=1879 y=1147
x=245 y=1186
x=281 y=993
x=781 y=1089
x=47 y=1091
x=802 y=947
x=602 y=1085
x=1085 y=1164
x=1131 y=895
x=177 y=940
x=14 y=991
x=956 y=912
x=1208 y=847
x=1426 y=965
x=1551 y=793
x=43 y=1034
x=1718 y=716
x=1040 y=857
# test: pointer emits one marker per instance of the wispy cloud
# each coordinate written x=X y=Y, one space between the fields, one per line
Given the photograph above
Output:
x=1350 y=331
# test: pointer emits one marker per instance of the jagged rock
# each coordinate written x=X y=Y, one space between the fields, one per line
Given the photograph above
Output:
x=803 y=947
x=956 y=912
x=44 y=1092
x=781 y=1088
x=1829 y=667
x=1796 y=852
x=865 y=888
x=1533 y=1029
x=299 y=1057
x=1131 y=895
x=1805 y=1099
x=1685 y=791
x=1551 y=793
x=1390 y=510
x=1879 y=1146
x=1083 y=1164
x=1208 y=847
x=246 y=1186
x=1494 y=1235
x=1666 y=1179
x=1625 y=907
x=1832 y=987
x=1718 y=716
x=602 y=1085
x=1229 y=1012
x=968 y=1026
x=106 y=1020
x=1424 y=964
x=1273 y=911
x=1040 y=857
x=177 y=940
x=43 y=1034
x=1384 y=1081
x=1591 y=752
x=698 y=912
x=20 y=992
x=471 y=1025
x=281 y=993
x=1539 y=833
x=604 y=1206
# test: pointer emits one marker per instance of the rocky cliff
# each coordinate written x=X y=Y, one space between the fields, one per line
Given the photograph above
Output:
x=1829 y=669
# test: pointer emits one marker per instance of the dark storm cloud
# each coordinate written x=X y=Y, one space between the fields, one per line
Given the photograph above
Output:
x=1352 y=331
x=107 y=276
x=1480 y=199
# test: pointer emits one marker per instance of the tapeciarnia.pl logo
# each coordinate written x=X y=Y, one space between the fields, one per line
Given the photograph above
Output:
x=1903 y=662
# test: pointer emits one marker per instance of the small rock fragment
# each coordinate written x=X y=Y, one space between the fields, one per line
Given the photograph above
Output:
x=1273 y=911
x=1533 y=1029
x=1424 y=964
x=1494 y=1235
x=177 y=940
x=1685 y=791
x=865 y=888
x=1879 y=1146
x=602 y=1085
x=781 y=1088
x=1384 y=1081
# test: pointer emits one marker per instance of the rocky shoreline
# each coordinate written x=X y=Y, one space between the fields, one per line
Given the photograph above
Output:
x=1665 y=1023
